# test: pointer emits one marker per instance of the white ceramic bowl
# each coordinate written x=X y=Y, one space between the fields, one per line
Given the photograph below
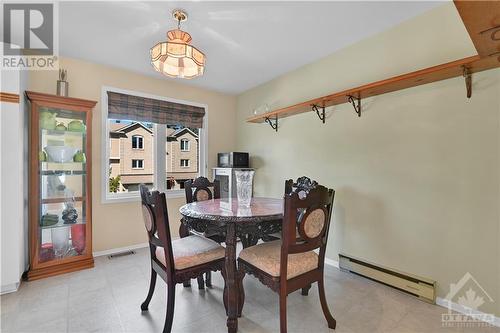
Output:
x=61 y=154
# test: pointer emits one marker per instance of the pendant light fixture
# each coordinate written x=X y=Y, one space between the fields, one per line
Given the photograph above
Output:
x=176 y=57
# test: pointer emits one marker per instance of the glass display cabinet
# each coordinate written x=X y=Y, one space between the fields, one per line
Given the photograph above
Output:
x=60 y=227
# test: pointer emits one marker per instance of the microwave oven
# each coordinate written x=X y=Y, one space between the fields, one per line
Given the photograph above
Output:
x=232 y=160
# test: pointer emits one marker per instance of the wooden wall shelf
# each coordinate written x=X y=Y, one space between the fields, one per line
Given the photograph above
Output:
x=482 y=20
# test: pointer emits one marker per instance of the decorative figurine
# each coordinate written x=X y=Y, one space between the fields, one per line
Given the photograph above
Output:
x=62 y=84
x=69 y=214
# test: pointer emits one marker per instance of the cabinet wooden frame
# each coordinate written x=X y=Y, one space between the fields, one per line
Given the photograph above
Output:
x=39 y=269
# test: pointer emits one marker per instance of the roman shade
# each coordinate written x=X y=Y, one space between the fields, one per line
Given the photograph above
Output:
x=128 y=107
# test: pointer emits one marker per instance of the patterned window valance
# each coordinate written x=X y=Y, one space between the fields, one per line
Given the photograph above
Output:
x=128 y=107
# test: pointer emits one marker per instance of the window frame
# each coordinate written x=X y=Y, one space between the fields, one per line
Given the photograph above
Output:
x=187 y=143
x=137 y=167
x=141 y=141
x=158 y=149
x=188 y=163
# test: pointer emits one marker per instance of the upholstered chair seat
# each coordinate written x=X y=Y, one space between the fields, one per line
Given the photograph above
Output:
x=266 y=257
x=192 y=251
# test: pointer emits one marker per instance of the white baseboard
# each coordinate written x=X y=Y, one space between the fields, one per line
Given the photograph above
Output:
x=439 y=301
x=464 y=310
x=331 y=262
x=9 y=288
x=120 y=249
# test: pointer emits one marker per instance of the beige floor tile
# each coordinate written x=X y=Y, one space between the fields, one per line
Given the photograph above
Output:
x=107 y=298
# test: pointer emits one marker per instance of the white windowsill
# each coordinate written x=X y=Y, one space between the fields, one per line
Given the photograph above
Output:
x=136 y=197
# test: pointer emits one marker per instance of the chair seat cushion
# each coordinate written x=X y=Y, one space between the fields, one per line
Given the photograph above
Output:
x=266 y=257
x=192 y=251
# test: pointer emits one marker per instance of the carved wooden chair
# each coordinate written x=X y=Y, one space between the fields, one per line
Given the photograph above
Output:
x=302 y=186
x=290 y=264
x=201 y=189
x=174 y=261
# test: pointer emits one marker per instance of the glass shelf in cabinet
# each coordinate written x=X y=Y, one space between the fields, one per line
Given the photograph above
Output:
x=54 y=132
x=63 y=172
x=68 y=168
x=61 y=224
x=48 y=201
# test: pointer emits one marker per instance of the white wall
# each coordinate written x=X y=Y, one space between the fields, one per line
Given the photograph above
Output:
x=13 y=167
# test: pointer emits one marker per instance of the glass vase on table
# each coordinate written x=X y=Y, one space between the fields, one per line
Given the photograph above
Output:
x=244 y=187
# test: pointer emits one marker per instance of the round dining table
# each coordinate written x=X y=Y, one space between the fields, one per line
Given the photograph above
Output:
x=231 y=221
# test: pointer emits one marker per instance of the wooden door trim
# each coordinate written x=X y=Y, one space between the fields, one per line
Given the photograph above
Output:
x=9 y=97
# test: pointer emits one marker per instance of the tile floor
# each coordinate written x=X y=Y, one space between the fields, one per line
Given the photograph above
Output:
x=107 y=298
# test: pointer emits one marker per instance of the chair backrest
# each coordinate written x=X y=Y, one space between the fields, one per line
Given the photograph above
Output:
x=201 y=189
x=302 y=186
x=155 y=215
x=308 y=210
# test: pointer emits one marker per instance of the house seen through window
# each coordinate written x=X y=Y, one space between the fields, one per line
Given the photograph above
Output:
x=133 y=158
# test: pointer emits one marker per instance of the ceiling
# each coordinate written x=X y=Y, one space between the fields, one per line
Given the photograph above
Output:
x=246 y=43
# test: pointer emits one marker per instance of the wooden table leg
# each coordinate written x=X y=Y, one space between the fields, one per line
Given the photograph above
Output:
x=184 y=232
x=231 y=287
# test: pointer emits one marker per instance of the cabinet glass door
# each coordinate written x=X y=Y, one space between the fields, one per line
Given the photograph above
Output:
x=62 y=184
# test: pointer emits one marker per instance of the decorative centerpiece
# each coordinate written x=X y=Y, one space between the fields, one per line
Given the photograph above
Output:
x=48 y=119
x=60 y=241
x=62 y=84
x=244 y=185
x=78 y=237
x=69 y=214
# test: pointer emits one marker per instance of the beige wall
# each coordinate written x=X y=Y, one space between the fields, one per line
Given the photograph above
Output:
x=129 y=153
x=417 y=176
x=118 y=225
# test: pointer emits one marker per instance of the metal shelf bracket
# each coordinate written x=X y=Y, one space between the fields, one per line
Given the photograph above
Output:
x=273 y=124
x=468 y=81
x=356 y=103
x=321 y=114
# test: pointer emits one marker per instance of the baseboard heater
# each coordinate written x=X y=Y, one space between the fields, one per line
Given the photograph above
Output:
x=423 y=288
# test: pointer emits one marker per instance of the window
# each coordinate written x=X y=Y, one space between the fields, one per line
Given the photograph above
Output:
x=184 y=145
x=137 y=164
x=151 y=158
x=137 y=142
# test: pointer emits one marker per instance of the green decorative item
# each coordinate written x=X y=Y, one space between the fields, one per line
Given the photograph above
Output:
x=61 y=127
x=79 y=157
x=42 y=156
x=76 y=126
x=49 y=220
x=48 y=120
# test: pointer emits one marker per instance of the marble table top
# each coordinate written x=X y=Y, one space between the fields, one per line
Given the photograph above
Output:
x=228 y=210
